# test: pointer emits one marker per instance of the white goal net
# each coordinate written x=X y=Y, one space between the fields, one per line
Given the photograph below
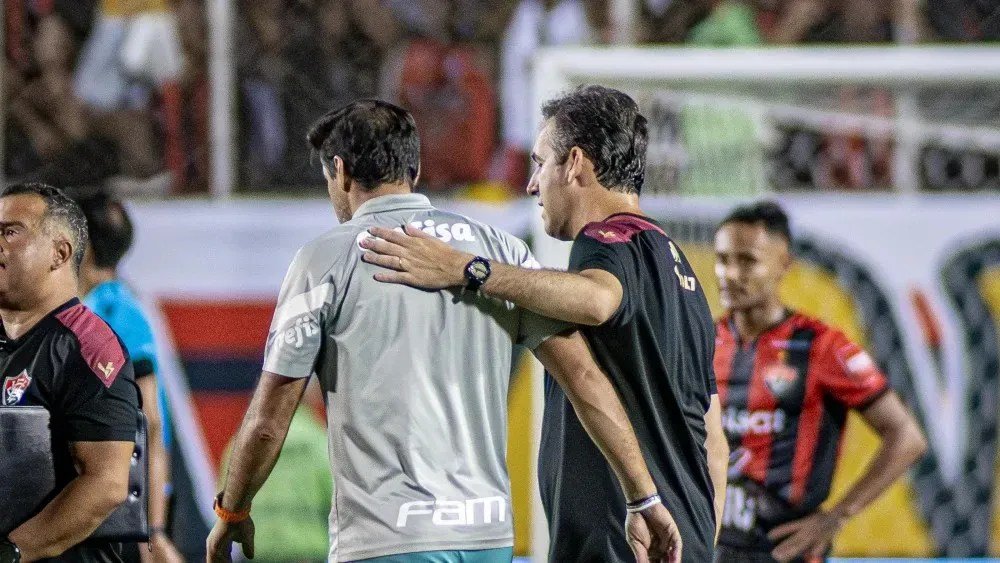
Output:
x=731 y=122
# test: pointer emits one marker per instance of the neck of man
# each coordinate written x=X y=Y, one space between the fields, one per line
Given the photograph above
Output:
x=16 y=322
x=754 y=321
x=95 y=278
x=597 y=203
x=359 y=197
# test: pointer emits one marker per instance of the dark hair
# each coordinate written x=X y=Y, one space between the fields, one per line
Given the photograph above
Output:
x=377 y=141
x=60 y=208
x=109 y=227
x=768 y=214
x=606 y=124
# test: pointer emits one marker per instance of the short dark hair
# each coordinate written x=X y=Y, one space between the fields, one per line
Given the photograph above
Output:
x=60 y=208
x=606 y=124
x=377 y=141
x=767 y=214
x=109 y=227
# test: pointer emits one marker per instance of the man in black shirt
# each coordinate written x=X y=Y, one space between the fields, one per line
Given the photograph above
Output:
x=56 y=353
x=643 y=313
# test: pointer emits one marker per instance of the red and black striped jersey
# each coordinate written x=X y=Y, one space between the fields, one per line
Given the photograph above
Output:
x=785 y=399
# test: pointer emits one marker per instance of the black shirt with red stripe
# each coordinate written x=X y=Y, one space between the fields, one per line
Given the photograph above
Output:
x=73 y=364
x=657 y=349
x=785 y=400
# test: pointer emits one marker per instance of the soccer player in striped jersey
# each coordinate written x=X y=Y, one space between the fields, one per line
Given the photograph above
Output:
x=787 y=382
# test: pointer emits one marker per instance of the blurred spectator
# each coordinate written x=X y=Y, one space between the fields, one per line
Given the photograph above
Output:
x=84 y=115
x=730 y=23
x=53 y=136
x=854 y=21
x=133 y=47
x=669 y=21
x=133 y=52
x=192 y=90
x=965 y=20
x=534 y=24
x=453 y=101
x=296 y=60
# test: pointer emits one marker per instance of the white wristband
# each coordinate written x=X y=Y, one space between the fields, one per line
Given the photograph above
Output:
x=643 y=504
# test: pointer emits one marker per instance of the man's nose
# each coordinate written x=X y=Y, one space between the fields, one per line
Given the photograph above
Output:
x=532 y=187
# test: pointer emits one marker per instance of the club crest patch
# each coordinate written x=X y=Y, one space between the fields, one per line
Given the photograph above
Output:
x=14 y=388
x=779 y=378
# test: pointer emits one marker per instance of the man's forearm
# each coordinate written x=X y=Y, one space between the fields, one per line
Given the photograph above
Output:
x=894 y=457
x=255 y=451
x=159 y=470
x=258 y=442
x=600 y=410
x=558 y=295
x=718 y=466
x=717 y=448
x=159 y=474
x=68 y=519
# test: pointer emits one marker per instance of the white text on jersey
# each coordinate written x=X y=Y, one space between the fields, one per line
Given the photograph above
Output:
x=467 y=512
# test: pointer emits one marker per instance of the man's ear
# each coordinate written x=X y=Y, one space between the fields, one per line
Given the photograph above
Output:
x=785 y=258
x=342 y=180
x=577 y=164
x=62 y=253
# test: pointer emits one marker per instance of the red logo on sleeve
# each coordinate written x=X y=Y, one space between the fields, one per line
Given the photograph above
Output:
x=14 y=388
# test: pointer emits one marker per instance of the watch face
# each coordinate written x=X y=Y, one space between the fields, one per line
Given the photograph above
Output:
x=479 y=270
x=8 y=552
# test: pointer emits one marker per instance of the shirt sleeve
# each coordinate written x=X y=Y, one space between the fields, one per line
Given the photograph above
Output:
x=295 y=336
x=850 y=375
x=588 y=253
x=533 y=328
x=94 y=411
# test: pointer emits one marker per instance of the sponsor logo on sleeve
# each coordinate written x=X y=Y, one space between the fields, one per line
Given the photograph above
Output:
x=14 y=388
x=856 y=361
x=296 y=335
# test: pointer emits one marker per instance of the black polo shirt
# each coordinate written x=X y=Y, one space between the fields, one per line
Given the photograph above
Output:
x=75 y=366
x=657 y=349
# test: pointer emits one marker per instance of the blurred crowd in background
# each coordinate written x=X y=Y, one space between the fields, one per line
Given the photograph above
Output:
x=116 y=92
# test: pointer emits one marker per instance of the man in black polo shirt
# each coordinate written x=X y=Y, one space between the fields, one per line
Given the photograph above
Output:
x=56 y=353
x=643 y=313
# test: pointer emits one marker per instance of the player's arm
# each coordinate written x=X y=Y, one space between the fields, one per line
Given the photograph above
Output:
x=74 y=514
x=651 y=532
x=159 y=469
x=255 y=451
x=718 y=457
x=902 y=444
x=258 y=441
x=590 y=297
x=596 y=403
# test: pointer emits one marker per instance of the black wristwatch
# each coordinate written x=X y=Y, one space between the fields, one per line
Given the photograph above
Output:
x=9 y=553
x=477 y=271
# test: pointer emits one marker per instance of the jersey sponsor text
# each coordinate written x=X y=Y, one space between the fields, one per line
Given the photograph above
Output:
x=467 y=512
